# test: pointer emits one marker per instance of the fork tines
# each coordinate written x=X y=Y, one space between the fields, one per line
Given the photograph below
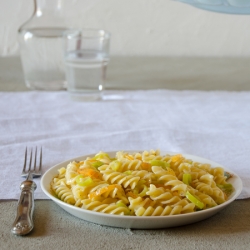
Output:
x=27 y=169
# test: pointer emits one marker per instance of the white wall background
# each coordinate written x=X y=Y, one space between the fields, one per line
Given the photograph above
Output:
x=142 y=27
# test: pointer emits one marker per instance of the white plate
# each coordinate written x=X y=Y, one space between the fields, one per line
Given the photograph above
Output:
x=136 y=222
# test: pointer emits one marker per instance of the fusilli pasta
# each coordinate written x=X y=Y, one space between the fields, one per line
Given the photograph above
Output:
x=141 y=184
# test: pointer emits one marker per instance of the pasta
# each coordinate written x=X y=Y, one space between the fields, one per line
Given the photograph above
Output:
x=141 y=184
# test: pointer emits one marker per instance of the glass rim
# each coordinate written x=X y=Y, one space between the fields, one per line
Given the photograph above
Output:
x=86 y=33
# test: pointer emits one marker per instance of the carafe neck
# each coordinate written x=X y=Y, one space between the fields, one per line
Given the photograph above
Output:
x=47 y=14
x=48 y=8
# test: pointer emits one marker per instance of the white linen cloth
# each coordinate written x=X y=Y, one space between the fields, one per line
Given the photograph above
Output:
x=213 y=125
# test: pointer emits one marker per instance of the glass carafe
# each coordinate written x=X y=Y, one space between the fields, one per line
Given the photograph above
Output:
x=40 y=40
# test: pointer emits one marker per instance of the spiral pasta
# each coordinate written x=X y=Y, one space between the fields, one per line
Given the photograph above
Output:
x=163 y=195
x=120 y=178
x=104 y=207
x=64 y=193
x=71 y=173
x=125 y=165
x=141 y=184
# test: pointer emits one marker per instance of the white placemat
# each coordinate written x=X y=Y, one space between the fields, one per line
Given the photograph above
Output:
x=213 y=125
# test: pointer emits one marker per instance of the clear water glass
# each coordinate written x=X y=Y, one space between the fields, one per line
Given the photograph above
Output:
x=86 y=58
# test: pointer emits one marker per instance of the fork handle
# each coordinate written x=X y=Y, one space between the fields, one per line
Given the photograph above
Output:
x=23 y=223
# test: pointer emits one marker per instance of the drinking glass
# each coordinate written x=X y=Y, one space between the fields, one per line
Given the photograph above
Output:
x=86 y=56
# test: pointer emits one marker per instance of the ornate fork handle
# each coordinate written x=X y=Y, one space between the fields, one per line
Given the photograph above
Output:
x=23 y=223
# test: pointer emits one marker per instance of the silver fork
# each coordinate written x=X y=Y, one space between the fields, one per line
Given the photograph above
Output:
x=23 y=223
